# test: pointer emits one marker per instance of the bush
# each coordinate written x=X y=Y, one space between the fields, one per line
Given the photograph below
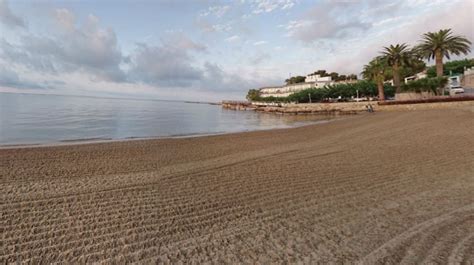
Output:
x=253 y=95
x=425 y=85
x=295 y=80
x=345 y=91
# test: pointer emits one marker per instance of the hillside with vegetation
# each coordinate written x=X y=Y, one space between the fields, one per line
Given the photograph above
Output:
x=322 y=73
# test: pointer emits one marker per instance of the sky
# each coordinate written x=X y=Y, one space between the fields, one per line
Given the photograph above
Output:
x=202 y=50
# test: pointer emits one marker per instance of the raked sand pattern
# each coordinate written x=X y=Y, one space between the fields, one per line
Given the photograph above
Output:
x=384 y=188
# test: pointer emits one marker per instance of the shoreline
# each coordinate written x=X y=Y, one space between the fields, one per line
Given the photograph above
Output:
x=73 y=142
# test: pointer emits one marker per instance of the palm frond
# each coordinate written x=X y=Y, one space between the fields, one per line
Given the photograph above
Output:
x=445 y=42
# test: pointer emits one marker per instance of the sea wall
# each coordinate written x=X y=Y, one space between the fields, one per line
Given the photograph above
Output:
x=317 y=108
x=237 y=105
x=465 y=102
x=468 y=105
x=356 y=107
x=413 y=95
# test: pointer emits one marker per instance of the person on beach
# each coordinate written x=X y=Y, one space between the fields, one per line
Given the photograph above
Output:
x=369 y=107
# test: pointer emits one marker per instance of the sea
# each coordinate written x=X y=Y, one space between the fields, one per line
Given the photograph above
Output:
x=29 y=119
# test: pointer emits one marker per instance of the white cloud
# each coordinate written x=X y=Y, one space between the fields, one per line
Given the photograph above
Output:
x=19 y=79
x=8 y=18
x=88 y=48
x=222 y=27
x=389 y=21
x=217 y=11
x=294 y=25
x=267 y=6
x=258 y=43
x=168 y=64
x=246 y=16
x=208 y=27
x=234 y=38
x=259 y=58
x=66 y=19
x=328 y=20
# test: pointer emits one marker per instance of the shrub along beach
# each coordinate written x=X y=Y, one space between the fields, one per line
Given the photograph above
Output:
x=344 y=91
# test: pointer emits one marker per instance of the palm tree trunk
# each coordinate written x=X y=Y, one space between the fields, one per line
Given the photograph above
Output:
x=396 y=77
x=439 y=67
x=380 y=88
x=439 y=63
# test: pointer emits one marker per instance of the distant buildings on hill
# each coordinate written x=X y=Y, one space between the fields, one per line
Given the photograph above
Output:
x=311 y=81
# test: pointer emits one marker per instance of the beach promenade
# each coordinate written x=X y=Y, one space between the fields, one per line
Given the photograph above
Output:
x=386 y=187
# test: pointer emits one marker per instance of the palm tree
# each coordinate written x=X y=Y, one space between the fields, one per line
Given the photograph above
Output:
x=375 y=71
x=436 y=45
x=396 y=57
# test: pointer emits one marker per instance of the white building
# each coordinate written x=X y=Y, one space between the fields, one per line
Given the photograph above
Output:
x=468 y=78
x=311 y=81
x=416 y=77
x=311 y=78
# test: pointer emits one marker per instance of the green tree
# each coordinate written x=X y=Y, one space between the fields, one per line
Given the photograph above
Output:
x=253 y=95
x=352 y=77
x=416 y=65
x=375 y=71
x=426 y=84
x=334 y=76
x=321 y=73
x=397 y=56
x=295 y=79
x=452 y=67
x=437 y=45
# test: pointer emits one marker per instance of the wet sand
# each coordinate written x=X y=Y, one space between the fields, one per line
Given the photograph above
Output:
x=382 y=188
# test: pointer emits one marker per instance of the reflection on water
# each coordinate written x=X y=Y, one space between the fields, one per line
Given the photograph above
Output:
x=27 y=119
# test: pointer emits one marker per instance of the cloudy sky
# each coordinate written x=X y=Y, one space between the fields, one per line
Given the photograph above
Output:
x=202 y=50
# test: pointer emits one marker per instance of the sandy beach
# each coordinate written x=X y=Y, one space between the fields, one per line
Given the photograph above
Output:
x=393 y=187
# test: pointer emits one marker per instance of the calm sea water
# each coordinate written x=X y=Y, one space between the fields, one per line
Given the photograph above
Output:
x=35 y=119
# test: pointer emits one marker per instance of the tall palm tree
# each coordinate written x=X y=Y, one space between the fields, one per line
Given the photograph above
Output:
x=436 y=45
x=375 y=71
x=396 y=57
